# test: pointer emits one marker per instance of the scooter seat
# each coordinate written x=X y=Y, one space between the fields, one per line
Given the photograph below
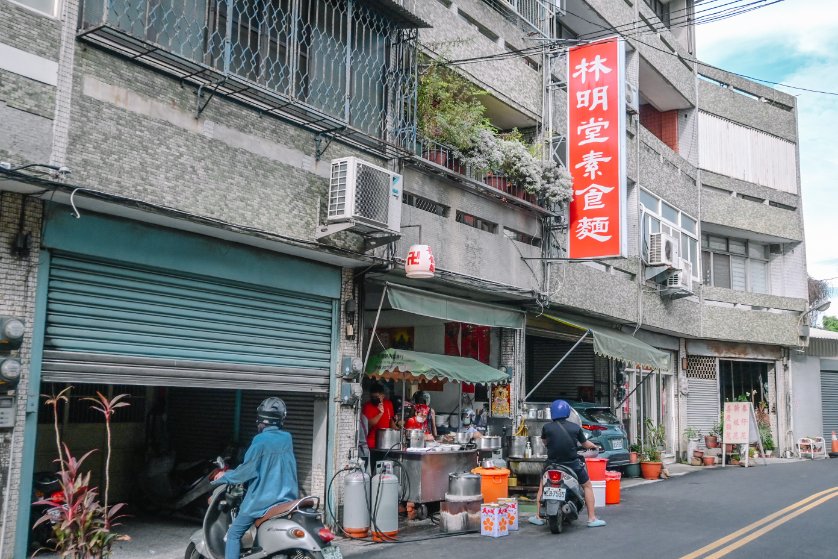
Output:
x=284 y=508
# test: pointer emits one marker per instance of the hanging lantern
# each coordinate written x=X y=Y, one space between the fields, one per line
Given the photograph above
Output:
x=419 y=262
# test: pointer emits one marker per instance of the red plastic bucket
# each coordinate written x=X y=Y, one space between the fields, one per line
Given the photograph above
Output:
x=612 y=488
x=596 y=468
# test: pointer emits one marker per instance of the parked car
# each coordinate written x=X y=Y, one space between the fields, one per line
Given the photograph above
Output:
x=604 y=430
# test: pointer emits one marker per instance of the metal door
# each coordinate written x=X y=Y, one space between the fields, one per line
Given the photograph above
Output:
x=829 y=402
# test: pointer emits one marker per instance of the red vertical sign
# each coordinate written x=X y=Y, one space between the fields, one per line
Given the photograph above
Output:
x=596 y=137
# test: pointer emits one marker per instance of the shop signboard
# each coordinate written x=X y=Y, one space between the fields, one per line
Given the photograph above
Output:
x=596 y=149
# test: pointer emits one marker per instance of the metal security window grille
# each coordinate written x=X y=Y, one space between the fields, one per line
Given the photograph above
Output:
x=476 y=222
x=531 y=14
x=521 y=237
x=743 y=378
x=701 y=367
x=329 y=65
x=735 y=264
x=425 y=204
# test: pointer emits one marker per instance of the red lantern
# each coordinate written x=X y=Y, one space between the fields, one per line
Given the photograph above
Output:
x=419 y=262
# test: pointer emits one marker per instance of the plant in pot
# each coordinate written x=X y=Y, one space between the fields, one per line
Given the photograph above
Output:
x=650 y=464
x=711 y=440
x=634 y=451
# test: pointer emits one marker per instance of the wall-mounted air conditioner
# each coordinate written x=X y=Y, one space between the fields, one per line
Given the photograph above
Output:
x=683 y=278
x=368 y=196
x=632 y=99
x=663 y=250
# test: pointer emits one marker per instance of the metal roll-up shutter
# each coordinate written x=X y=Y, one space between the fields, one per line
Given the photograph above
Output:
x=299 y=422
x=703 y=405
x=130 y=324
x=829 y=402
x=577 y=370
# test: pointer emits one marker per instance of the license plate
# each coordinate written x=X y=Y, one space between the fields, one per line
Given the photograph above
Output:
x=554 y=493
x=617 y=444
x=332 y=552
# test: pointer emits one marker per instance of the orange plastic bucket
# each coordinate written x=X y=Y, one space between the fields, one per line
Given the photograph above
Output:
x=494 y=483
x=612 y=488
x=596 y=468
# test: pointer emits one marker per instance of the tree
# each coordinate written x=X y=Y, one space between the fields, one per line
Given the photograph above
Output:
x=830 y=323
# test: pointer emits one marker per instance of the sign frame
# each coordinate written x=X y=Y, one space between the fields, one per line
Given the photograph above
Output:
x=738 y=412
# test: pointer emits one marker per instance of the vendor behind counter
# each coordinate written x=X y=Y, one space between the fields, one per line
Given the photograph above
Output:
x=379 y=413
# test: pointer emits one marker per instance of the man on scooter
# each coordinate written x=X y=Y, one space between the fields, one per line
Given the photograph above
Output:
x=270 y=470
x=562 y=438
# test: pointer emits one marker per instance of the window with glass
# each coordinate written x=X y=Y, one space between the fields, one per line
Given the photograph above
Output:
x=46 y=7
x=660 y=216
x=737 y=264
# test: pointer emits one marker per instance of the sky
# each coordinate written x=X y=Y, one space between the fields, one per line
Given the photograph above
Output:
x=795 y=42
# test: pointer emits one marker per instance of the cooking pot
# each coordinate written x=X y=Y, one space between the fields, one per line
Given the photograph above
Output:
x=489 y=442
x=463 y=484
x=462 y=438
x=441 y=419
x=387 y=439
x=415 y=438
x=517 y=446
x=537 y=445
x=487 y=463
x=532 y=413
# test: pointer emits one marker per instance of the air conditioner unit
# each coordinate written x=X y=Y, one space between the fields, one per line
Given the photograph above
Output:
x=366 y=195
x=663 y=250
x=632 y=99
x=683 y=278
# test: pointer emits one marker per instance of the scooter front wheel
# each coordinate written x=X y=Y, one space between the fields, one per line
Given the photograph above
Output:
x=555 y=523
x=192 y=553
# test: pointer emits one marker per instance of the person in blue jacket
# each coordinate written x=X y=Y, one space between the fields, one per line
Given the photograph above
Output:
x=270 y=470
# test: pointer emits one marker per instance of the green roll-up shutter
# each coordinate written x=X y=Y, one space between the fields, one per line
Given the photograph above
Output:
x=133 y=324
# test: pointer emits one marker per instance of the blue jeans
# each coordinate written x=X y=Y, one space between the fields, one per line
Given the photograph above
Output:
x=240 y=525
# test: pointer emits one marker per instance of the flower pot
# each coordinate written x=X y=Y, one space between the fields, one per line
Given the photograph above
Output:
x=711 y=441
x=651 y=470
x=728 y=448
x=698 y=454
x=497 y=181
x=708 y=460
x=632 y=470
x=633 y=457
x=437 y=156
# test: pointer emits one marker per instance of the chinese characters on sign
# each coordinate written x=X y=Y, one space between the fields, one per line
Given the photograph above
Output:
x=738 y=427
x=596 y=133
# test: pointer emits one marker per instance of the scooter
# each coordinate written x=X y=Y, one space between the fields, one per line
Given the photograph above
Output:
x=47 y=499
x=178 y=488
x=561 y=496
x=292 y=530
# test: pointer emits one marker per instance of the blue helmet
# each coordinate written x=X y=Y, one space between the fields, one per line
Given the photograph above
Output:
x=559 y=409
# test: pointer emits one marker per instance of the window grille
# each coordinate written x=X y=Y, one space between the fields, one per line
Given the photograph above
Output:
x=701 y=367
x=425 y=204
x=476 y=222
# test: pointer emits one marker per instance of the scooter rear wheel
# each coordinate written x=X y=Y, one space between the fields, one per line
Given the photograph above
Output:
x=555 y=523
x=192 y=553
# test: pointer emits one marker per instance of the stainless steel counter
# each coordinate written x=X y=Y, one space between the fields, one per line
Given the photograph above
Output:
x=427 y=472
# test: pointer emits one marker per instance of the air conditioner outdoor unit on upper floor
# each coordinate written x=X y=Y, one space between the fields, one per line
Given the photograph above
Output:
x=632 y=99
x=683 y=278
x=663 y=250
x=368 y=196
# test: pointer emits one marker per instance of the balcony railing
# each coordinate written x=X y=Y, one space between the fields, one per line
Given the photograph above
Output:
x=449 y=159
x=334 y=66
x=537 y=14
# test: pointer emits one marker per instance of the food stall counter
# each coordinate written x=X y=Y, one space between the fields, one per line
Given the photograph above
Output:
x=424 y=472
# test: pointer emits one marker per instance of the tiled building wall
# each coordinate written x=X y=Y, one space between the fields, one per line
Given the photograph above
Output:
x=664 y=125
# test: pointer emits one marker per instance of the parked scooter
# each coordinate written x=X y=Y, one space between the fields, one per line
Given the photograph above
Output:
x=292 y=530
x=178 y=487
x=47 y=498
x=561 y=496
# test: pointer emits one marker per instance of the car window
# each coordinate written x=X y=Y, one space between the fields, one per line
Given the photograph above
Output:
x=601 y=415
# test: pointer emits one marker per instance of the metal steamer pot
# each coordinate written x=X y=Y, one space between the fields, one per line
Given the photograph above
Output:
x=414 y=438
x=463 y=484
x=489 y=442
x=387 y=439
x=538 y=448
x=462 y=438
x=517 y=446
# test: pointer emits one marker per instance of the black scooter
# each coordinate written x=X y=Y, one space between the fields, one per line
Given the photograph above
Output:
x=562 y=498
x=47 y=496
x=181 y=488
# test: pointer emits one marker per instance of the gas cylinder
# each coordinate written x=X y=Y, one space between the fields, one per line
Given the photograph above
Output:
x=384 y=502
x=356 y=512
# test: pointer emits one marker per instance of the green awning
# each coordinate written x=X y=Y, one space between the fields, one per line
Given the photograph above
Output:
x=398 y=364
x=444 y=307
x=620 y=346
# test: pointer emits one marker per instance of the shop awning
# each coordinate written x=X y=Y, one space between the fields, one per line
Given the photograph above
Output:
x=397 y=364
x=620 y=346
x=445 y=307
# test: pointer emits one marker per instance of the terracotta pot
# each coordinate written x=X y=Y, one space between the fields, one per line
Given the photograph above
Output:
x=708 y=460
x=437 y=156
x=633 y=457
x=728 y=448
x=698 y=453
x=651 y=470
x=499 y=182
x=711 y=441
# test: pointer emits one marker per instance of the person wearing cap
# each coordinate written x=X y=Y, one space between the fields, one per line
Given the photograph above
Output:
x=562 y=439
x=269 y=468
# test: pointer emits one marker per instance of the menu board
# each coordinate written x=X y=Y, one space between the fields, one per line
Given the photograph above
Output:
x=740 y=425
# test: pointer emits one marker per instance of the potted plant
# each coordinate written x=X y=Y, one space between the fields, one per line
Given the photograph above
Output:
x=711 y=440
x=708 y=460
x=634 y=452
x=651 y=465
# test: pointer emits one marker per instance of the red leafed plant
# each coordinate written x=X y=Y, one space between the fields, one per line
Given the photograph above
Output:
x=82 y=524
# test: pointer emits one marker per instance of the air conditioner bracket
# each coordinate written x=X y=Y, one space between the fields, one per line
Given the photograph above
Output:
x=657 y=273
x=673 y=293
x=372 y=239
x=329 y=229
x=375 y=241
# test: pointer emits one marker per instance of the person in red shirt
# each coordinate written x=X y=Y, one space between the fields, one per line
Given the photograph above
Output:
x=379 y=412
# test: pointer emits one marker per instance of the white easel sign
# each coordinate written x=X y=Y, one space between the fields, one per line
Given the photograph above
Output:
x=740 y=428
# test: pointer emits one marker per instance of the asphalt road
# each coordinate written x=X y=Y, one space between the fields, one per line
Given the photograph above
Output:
x=703 y=515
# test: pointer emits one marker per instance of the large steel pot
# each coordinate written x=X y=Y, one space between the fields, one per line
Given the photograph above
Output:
x=517 y=446
x=387 y=439
x=415 y=438
x=463 y=484
x=462 y=438
x=538 y=448
x=488 y=442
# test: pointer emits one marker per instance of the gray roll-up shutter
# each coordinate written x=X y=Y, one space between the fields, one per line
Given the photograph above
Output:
x=577 y=370
x=703 y=405
x=129 y=324
x=200 y=422
x=299 y=422
x=829 y=402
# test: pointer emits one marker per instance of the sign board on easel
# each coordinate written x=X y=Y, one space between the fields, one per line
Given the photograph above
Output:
x=740 y=427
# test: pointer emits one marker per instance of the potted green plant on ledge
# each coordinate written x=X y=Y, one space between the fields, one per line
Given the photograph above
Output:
x=651 y=465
